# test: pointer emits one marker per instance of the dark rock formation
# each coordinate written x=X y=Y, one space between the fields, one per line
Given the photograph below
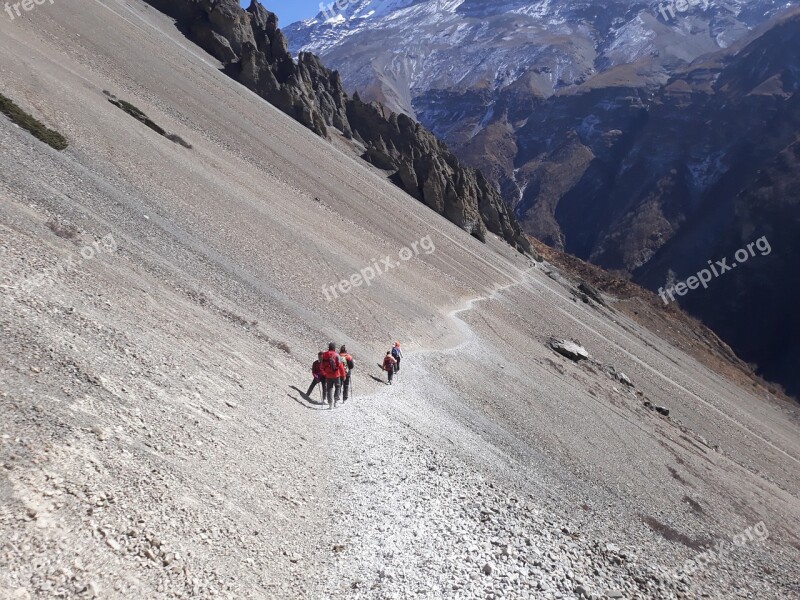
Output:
x=592 y=292
x=254 y=52
x=427 y=170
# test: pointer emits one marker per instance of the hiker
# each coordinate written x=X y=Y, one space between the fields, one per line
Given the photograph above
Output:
x=388 y=365
x=347 y=365
x=332 y=372
x=397 y=355
x=316 y=372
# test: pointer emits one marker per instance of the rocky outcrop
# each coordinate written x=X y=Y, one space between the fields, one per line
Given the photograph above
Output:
x=253 y=51
x=591 y=292
x=425 y=168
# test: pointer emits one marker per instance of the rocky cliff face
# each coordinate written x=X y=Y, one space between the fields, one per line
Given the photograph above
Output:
x=427 y=170
x=254 y=52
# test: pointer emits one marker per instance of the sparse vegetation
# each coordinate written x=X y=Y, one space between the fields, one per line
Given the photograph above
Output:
x=694 y=504
x=274 y=343
x=233 y=317
x=64 y=230
x=281 y=346
x=198 y=297
x=174 y=137
x=140 y=116
x=673 y=535
x=31 y=124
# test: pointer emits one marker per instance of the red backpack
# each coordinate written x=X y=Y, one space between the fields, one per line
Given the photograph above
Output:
x=330 y=364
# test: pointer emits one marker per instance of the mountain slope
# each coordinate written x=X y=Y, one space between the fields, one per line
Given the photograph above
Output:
x=254 y=52
x=161 y=304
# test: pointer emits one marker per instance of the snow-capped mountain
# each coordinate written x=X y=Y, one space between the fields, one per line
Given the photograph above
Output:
x=397 y=51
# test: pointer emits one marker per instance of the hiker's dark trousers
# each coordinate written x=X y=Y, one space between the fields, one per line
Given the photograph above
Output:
x=333 y=389
x=314 y=384
x=346 y=388
x=390 y=373
x=397 y=364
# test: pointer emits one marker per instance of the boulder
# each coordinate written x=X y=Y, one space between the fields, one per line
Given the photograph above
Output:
x=572 y=350
x=592 y=293
x=618 y=375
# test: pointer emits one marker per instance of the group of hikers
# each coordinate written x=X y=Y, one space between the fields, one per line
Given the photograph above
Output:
x=332 y=371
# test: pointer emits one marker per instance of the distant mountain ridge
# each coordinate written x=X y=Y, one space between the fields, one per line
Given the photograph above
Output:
x=399 y=51
x=506 y=83
x=254 y=52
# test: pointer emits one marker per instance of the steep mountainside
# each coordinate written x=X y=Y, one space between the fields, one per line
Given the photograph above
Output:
x=740 y=176
x=254 y=52
x=163 y=279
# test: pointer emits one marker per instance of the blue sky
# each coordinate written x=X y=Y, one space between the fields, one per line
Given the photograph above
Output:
x=289 y=11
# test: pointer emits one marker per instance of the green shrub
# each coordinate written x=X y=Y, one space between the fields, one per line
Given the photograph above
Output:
x=32 y=125
x=143 y=118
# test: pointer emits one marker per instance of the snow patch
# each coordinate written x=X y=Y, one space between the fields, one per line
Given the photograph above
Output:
x=337 y=20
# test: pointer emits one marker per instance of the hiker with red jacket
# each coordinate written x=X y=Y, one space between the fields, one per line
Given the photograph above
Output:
x=332 y=371
x=388 y=365
x=347 y=366
x=316 y=372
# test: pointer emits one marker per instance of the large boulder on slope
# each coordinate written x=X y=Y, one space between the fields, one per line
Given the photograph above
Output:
x=571 y=350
